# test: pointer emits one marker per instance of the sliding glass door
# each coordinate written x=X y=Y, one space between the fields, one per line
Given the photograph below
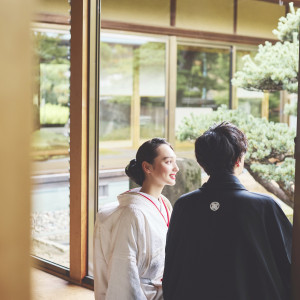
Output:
x=132 y=104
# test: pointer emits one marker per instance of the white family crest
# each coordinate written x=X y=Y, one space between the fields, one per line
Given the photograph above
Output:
x=214 y=206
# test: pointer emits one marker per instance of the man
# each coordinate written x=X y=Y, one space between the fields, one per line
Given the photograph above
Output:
x=224 y=242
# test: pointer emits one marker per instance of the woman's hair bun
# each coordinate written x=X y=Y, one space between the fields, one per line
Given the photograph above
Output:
x=147 y=152
x=134 y=171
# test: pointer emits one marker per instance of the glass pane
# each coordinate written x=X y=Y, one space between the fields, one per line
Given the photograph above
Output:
x=152 y=117
x=132 y=107
x=152 y=89
x=249 y=101
x=132 y=104
x=50 y=147
x=274 y=107
x=202 y=85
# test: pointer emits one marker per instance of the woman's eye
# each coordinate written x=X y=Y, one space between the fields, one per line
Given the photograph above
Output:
x=168 y=162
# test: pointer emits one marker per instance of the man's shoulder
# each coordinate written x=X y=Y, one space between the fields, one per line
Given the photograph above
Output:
x=257 y=198
x=188 y=197
x=244 y=196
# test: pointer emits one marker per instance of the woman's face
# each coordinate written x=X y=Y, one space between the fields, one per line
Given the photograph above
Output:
x=164 y=168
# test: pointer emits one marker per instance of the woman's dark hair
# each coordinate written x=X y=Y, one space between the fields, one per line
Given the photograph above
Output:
x=219 y=148
x=147 y=152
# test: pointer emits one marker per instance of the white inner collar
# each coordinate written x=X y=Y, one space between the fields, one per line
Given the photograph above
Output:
x=155 y=200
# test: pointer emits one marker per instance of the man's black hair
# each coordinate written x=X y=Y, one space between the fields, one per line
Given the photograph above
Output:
x=220 y=147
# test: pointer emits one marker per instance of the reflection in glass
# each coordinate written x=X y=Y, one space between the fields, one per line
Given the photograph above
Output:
x=132 y=105
x=131 y=108
x=132 y=96
x=251 y=101
x=274 y=106
x=202 y=77
x=202 y=84
x=248 y=101
x=50 y=144
x=151 y=58
x=152 y=117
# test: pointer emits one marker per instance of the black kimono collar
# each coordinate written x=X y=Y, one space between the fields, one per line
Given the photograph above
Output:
x=223 y=180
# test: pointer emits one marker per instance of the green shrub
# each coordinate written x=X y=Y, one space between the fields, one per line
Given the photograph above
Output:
x=48 y=140
x=54 y=114
x=270 y=156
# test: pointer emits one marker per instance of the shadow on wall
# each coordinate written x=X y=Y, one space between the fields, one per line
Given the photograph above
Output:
x=187 y=179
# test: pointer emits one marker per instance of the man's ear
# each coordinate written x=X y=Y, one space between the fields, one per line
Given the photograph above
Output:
x=147 y=168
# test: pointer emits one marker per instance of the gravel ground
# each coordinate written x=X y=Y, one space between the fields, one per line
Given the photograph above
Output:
x=50 y=236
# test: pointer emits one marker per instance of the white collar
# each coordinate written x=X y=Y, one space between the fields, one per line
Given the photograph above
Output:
x=155 y=200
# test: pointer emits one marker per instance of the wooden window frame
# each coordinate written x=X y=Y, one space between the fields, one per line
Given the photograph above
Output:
x=79 y=142
x=84 y=141
x=79 y=139
x=159 y=30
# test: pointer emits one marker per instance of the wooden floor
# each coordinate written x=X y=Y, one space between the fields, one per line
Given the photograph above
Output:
x=49 y=287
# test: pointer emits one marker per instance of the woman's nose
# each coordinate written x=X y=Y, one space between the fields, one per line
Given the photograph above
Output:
x=176 y=167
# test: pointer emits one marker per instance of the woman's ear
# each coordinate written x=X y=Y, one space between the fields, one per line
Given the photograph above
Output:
x=146 y=167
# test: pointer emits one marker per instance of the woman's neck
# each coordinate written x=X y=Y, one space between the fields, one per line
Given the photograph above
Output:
x=151 y=189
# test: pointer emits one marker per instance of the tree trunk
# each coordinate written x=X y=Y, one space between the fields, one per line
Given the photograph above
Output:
x=270 y=187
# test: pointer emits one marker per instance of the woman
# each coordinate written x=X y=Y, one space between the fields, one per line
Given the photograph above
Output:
x=224 y=242
x=129 y=239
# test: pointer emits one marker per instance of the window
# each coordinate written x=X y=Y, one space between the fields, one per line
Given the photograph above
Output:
x=202 y=84
x=132 y=102
x=131 y=109
x=50 y=147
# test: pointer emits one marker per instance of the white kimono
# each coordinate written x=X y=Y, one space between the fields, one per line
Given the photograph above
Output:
x=129 y=247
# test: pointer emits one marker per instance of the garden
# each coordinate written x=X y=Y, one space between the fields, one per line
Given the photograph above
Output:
x=274 y=68
x=270 y=158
